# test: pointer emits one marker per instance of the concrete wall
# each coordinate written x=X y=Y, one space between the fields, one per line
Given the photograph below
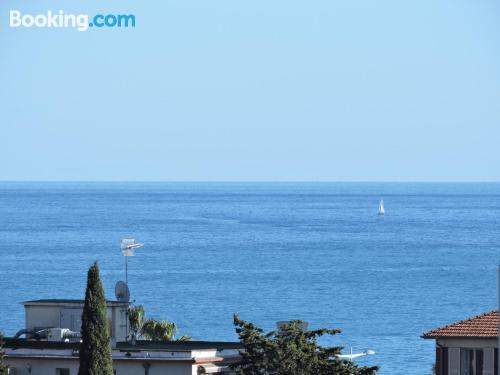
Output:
x=118 y=316
x=473 y=343
x=42 y=317
x=48 y=367
x=69 y=316
x=41 y=366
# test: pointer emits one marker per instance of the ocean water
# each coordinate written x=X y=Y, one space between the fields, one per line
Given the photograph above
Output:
x=266 y=251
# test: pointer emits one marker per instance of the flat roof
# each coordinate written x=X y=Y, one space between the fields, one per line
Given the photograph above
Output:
x=13 y=343
x=172 y=346
x=178 y=345
x=58 y=301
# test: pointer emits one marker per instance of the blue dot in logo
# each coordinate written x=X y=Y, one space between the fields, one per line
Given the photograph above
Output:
x=91 y=24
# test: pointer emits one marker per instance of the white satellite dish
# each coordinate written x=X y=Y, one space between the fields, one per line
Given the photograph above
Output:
x=128 y=246
x=122 y=293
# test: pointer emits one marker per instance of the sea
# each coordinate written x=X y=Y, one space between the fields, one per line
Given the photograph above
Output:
x=268 y=252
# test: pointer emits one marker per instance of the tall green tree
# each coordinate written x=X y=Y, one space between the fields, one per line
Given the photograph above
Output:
x=290 y=351
x=3 y=366
x=95 y=348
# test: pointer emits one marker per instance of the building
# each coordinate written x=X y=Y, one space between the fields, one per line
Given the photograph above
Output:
x=46 y=314
x=49 y=343
x=39 y=357
x=467 y=347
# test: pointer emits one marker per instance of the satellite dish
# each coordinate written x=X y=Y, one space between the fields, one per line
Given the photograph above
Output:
x=122 y=293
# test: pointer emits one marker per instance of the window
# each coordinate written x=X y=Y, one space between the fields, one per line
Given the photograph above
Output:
x=62 y=371
x=471 y=362
x=110 y=327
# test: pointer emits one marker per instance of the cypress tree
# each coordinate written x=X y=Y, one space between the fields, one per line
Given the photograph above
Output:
x=3 y=366
x=95 y=348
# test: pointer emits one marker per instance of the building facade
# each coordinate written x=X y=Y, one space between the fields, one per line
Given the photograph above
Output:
x=49 y=345
x=40 y=357
x=46 y=314
x=467 y=347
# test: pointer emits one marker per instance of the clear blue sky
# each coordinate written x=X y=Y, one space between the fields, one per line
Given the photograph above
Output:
x=255 y=90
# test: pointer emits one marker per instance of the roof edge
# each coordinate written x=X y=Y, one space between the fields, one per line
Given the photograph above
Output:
x=66 y=301
x=433 y=334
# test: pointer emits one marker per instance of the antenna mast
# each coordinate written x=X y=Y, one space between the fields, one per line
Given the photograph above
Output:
x=128 y=247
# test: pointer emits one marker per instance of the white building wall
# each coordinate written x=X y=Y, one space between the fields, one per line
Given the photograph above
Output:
x=69 y=316
x=156 y=369
x=27 y=366
x=42 y=316
x=49 y=366
x=472 y=343
x=118 y=316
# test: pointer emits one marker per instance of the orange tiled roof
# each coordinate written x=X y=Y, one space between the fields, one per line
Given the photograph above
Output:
x=484 y=325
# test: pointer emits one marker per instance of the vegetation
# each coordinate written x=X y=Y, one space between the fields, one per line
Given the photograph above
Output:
x=151 y=329
x=157 y=330
x=290 y=351
x=136 y=320
x=3 y=366
x=95 y=348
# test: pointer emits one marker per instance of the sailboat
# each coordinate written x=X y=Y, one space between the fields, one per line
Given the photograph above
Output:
x=381 y=209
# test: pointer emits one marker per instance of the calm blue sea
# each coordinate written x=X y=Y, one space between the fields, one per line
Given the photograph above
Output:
x=267 y=251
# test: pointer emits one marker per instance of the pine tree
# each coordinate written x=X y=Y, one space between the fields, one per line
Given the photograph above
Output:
x=95 y=349
x=290 y=351
x=3 y=366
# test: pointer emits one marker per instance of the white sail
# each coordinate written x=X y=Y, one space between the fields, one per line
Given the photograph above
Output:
x=381 y=209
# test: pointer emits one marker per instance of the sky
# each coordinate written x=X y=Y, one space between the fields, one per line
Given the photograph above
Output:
x=225 y=90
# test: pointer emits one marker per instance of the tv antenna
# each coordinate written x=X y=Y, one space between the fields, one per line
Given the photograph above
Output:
x=122 y=292
x=128 y=247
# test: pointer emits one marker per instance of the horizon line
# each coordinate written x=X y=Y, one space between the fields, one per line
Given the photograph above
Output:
x=262 y=181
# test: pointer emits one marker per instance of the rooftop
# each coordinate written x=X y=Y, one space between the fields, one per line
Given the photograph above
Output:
x=178 y=345
x=15 y=343
x=64 y=301
x=175 y=346
x=484 y=325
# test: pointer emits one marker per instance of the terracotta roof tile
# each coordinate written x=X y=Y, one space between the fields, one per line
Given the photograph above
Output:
x=484 y=325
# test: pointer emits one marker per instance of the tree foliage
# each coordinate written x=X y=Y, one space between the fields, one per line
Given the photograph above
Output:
x=290 y=351
x=151 y=329
x=3 y=366
x=158 y=330
x=95 y=348
x=136 y=320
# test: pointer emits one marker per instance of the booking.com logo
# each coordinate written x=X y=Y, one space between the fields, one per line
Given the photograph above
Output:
x=80 y=22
